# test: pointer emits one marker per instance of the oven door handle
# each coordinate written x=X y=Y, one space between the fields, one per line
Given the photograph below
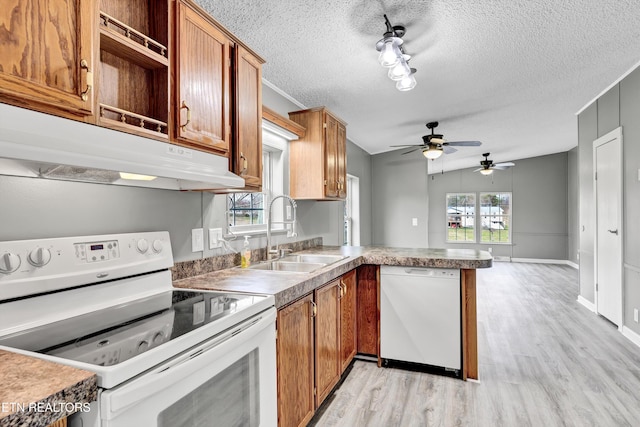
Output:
x=188 y=363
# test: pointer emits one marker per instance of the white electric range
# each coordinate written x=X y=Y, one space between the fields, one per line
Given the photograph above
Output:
x=163 y=356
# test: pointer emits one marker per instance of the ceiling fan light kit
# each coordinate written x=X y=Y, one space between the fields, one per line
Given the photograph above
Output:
x=434 y=145
x=488 y=166
x=392 y=56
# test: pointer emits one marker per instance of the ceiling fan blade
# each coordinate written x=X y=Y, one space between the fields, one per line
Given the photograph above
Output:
x=448 y=150
x=478 y=170
x=410 y=151
x=505 y=164
x=463 y=143
x=500 y=167
x=408 y=145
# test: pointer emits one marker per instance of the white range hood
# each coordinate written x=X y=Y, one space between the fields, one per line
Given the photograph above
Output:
x=41 y=145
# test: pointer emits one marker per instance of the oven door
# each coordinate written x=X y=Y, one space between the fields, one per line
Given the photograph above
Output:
x=229 y=380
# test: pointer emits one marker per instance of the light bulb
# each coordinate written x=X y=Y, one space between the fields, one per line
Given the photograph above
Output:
x=390 y=54
x=486 y=171
x=400 y=70
x=407 y=83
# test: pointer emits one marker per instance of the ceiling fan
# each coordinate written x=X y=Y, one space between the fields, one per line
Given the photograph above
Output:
x=434 y=145
x=488 y=166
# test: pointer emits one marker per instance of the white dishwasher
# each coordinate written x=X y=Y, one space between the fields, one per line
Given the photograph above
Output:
x=420 y=316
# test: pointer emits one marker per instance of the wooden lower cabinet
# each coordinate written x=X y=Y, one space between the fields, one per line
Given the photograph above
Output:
x=368 y=326
x=316 y=342
x=348 y=319
x=295 y=357
x=327 y=354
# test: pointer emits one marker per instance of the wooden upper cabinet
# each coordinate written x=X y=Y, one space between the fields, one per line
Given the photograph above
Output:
x=201 y=103
x=317 y=162
x=327 y=356
x=295 y=350
x=133 y=75
x=247 y=148
x=348 y=319
x=47 y=55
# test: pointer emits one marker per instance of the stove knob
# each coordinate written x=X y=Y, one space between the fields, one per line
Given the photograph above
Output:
x=39 y=257
x=157 y=338
x=142 y=245
x=9 y=263
x=157 y=246
x=143 y=346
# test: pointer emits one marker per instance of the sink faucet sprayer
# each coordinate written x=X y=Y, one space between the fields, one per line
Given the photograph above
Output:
x=290 y=233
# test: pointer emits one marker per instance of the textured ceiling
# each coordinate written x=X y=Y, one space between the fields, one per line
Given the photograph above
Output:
x=510 y=73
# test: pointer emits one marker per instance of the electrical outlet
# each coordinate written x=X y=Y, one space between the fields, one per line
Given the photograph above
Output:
x=414 y=222
x=288 y=207
x=490 y=250
x=215 y=238
x=197 y=240
x=635 y=315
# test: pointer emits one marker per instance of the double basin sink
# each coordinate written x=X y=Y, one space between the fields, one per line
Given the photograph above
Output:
x=303 y=263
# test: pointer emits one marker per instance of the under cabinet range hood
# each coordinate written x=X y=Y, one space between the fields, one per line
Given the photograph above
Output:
x=39 y=145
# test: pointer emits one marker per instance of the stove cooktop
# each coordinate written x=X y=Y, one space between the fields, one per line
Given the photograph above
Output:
x=115 y=334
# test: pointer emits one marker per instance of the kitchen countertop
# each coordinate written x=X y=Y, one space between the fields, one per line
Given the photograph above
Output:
x=46 y=391
x=287 y=287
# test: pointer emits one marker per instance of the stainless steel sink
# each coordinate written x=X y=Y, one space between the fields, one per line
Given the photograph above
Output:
x=313 y=258
x=297 y=267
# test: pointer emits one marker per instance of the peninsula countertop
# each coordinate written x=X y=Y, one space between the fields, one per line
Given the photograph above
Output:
x=288 y=287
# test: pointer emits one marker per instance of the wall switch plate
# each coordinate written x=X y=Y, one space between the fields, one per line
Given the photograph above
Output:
x=414 y=222
x=197 y=240
x=490 y=250
x=215 y=238
x=635 y=315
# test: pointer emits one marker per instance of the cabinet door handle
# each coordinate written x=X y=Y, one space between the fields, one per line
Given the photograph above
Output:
x=245 y=164
x=85 y=93
x=344 y=286
x=613 y=231
x=314 y=309
x=340 y=290
x=184 y=106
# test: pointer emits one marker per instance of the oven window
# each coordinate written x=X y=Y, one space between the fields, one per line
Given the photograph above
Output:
x=231 y=398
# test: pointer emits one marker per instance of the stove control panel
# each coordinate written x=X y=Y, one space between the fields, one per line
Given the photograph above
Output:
x=36 y=266
x=97 y=251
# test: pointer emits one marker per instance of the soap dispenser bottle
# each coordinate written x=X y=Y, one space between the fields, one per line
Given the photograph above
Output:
x=245 y=259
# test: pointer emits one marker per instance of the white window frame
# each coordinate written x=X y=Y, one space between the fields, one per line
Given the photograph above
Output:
x=466 y=214
x=352 y=212
x=481 y=217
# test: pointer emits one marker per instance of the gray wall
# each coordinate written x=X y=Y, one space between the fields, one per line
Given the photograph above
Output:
x=573 y=211
x=34 y=208
x=400 y=194
x=619 y=106
x=539 y=206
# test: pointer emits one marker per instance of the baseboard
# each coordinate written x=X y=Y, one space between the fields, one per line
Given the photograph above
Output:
x=587 y=304
x=502 y=259
x=631 y=335
x=541 y=261
x=572 y=264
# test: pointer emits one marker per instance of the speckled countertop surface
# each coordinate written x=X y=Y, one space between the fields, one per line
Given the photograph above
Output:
x=288 y=287
x=35 y=392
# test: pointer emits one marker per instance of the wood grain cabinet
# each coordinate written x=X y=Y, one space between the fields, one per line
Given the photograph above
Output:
x=201 y=102
x=47 y=55
x=327 y=349
x=316 y=343
x=295 y=359
x=318 y=161
x=133 y=75
x=348 y=319
x=246 y=159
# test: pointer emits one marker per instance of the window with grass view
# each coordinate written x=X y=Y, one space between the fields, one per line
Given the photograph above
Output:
x=248 y=209
x=461 y=217
x=495 y=217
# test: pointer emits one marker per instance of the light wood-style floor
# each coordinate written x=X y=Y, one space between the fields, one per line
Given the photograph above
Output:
x=545 y=360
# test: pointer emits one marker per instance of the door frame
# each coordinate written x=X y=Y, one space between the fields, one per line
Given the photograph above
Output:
x=611 y=136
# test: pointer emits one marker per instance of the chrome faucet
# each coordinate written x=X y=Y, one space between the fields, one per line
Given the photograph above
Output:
x=290 y=233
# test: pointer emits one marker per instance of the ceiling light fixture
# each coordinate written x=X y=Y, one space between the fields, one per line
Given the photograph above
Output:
x=486 y=171
x=432 y=152
x=392 y=56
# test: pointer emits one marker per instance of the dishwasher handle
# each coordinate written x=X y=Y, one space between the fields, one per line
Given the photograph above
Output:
x=441 y=273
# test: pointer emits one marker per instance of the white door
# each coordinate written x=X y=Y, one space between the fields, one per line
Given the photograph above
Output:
x=608 y=185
